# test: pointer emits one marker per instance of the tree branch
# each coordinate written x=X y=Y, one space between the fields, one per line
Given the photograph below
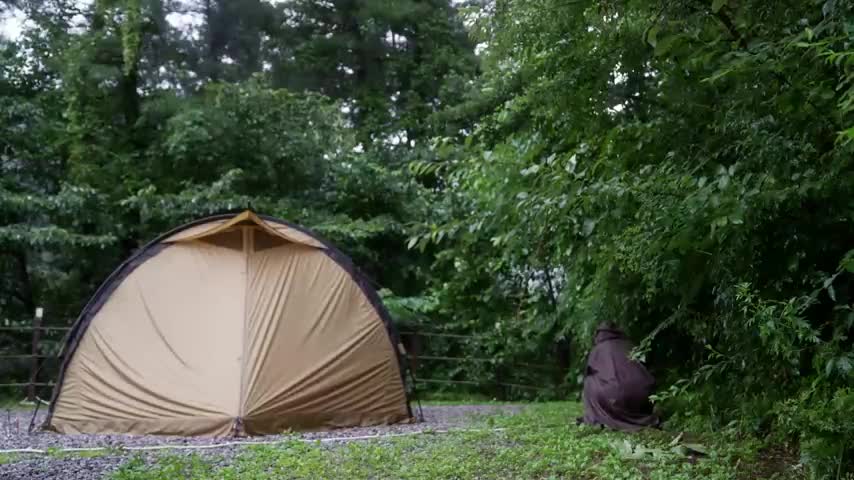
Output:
x=727 y=22
x=730 y=26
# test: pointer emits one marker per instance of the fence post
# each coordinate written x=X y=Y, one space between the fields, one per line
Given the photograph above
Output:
x=34 y=364
x=500 y=391
x=415 y=349
x=563 y=353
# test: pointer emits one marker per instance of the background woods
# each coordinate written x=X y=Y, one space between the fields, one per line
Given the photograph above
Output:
x=511 y=171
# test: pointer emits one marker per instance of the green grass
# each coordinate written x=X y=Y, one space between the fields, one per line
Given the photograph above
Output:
x=15 y=404
x=540 y=443
x=59 y=453
x=439 y=398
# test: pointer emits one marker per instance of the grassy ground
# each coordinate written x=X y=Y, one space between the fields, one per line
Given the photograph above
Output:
x=14 y=404
x=540 y=443
x=436 y=399
x=57 y=453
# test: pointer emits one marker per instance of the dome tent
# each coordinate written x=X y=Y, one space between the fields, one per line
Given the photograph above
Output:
x=235 y=324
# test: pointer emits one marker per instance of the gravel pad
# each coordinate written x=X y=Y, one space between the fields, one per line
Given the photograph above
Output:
x=13 y=435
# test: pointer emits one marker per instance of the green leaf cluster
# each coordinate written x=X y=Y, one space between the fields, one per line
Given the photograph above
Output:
x=681 y=168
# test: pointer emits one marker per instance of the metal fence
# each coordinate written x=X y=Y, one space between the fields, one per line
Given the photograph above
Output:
x=36 y=356
x=496 y=375
x=498 y=379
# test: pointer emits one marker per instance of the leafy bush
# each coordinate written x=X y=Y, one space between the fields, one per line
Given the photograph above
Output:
x=687 y=168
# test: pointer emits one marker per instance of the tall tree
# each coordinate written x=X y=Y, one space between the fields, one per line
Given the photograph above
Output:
x=393 y=63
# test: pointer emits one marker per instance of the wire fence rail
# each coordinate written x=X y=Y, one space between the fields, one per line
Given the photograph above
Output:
x=494 y=371
x=37 y=359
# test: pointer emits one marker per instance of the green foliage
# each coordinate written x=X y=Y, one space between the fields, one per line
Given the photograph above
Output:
x=540 y=442
x=821 y=420
x=680 y=168
x=408 y=311
x=395 y=63
x=240 y=126
x=131 y=35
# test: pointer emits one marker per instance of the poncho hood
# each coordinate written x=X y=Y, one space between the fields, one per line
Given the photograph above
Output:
x=608 y=331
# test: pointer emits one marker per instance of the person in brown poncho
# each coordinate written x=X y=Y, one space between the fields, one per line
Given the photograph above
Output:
x=616 y=388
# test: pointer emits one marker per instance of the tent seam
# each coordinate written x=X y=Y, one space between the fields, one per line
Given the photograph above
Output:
x=241 y=411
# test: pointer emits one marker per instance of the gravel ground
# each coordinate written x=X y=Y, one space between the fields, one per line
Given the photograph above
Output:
x=13 y=435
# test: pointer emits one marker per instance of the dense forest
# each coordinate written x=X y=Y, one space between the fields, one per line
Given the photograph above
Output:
x=519 y=170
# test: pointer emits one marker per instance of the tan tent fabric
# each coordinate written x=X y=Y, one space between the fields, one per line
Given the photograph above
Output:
x=203 y=338
x=161 y=348
x=281 y=230
x=192 y=231
x=322 y=363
